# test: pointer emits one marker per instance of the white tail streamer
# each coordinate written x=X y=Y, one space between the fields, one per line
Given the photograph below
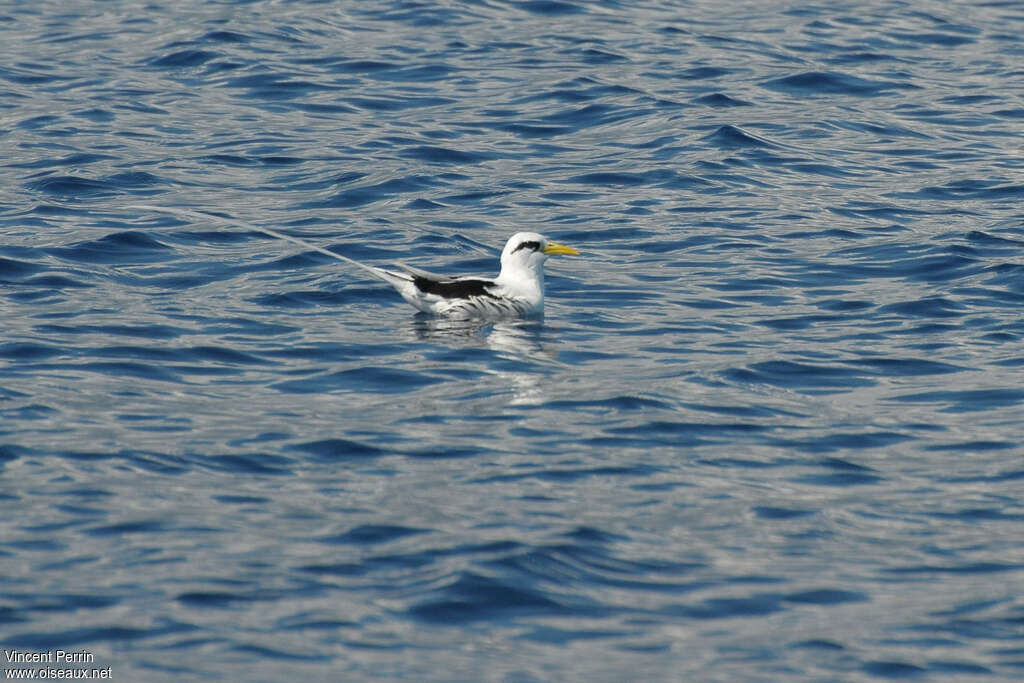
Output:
x=199 y=215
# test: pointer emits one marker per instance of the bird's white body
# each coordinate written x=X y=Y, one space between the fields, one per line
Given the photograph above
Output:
x=517 y=292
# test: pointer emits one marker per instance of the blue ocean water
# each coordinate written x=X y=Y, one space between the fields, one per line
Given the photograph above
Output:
x=771 y=427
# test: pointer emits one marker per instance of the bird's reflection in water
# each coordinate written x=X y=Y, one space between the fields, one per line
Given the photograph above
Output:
x=523 y=352
x=516 y=338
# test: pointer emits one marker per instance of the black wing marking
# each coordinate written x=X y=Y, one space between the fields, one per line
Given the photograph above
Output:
x=453 y=289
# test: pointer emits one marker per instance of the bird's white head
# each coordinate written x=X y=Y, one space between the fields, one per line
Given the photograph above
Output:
x=522 y=267
x=526 y=252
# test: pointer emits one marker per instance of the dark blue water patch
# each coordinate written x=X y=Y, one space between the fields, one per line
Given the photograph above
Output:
x=561 y=637
x=253 y=463
x=966 y=189
x=372 y=534
x=217 y=599
x=550 y=8
x=590 y=564
x=687 y=433
x=733 y=138
x=589 y=535
x=144 y=331
x=331 y=450
x=27 y=351
x=656 y=177
x=972 y=446
x=817 y=644
x=860 y=57
x=721 y=100
x=72 y=602
x=160 y=463
x=975 y=400
x=994 y=244
x=15 y=270
x=423 y=205
x=844 y=305
x=1009 y=275
x=799 y=322
x=303 y=622
x=940 y=39
x=370 y=379
x=283 y=655
x=1009 y=113
x=361 y=66
x=27 y=76
x=38 y=544
x=843 y=441
x=959 y=668
x=894 y=670
x=445 y=155
x=907 y=367
x=53 y=640
x=531 y=131
x=122 y=247
x=219 y=354
x=183 y=59
x=831 y=83
x=800 y=376
x=30 y=412
x=231 y=499
x=757 y=605
x=122 y=369
x=705 y=73
x=347 y=569
x=779 y=513
x=980 y=515
x=224 y=36
x=593 y=115
x=173 y=359
x=931 y=307
x=841 y=473
x=396 y=103
x=74 y=159
x=600 y=57
x=249 y=161
x=611 y=405
x=50 y=282
x=126 y=528
x=472 y=597
x=444 y=452
x=424 y=73
x=68 y=187
x=827 y=596
x=570 y=474
x=37 y=122
x=407 y=561
x=574 y=91
x=273 y=86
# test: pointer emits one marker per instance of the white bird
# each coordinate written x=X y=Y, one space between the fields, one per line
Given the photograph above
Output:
x=517 y=292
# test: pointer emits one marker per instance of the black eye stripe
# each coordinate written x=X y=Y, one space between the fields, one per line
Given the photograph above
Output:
x=527 y=245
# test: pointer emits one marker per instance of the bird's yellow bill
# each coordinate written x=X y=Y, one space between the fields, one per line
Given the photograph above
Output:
x=556 y=248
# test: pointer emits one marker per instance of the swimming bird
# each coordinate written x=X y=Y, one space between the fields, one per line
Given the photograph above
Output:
x=517 y=291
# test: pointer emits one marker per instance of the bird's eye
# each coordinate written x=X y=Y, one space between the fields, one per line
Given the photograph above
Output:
x=531 y=245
